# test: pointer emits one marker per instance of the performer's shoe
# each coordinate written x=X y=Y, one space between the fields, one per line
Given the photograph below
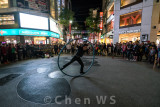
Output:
x=82 y=72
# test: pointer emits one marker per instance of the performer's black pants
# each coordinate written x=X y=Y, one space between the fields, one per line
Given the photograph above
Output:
x=75 y=58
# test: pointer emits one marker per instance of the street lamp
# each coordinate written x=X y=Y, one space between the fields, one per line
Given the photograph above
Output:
x=70 y=21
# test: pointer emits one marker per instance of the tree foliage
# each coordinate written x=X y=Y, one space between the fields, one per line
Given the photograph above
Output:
x=65 y=16
x=92 y=23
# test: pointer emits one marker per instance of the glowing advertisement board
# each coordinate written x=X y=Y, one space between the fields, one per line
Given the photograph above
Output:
x=28 y=32
x=54 y=26
x=32 y=21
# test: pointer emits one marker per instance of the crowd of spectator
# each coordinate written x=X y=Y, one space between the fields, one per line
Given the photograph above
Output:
x=129 y=51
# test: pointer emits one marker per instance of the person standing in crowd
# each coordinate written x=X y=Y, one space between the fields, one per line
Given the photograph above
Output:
x=27 y=50
x=158 y=55
x=0 y=53
x=152 y=55
x=60 y=47
x=104 y=48
x=56 y=49
x=141 y=51
x=73 y=48
x=115 y=49
x=129 y=50
x=68 y=48
x=13 y=53
x=118 y=49
x=146 y=51
x=4 y=53
x=124 y=48
x=9 y=53
x=20 y=50
x=135 y=51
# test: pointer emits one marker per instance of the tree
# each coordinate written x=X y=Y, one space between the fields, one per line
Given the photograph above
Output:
x=92 y=22
x=65 y=16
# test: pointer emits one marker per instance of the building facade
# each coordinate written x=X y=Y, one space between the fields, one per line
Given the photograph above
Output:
x=108 y=28
x=32 y=21
x=136 y=20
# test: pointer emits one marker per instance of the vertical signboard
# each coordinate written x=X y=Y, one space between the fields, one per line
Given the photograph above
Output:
x=101 y=21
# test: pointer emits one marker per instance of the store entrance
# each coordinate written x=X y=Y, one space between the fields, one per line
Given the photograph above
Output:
x=123 y=38
x=39 y=40
x=1 y=39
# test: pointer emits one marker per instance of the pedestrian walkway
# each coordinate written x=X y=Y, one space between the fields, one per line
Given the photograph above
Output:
x=122 y=83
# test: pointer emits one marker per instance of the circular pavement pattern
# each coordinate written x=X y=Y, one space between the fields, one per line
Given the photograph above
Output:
x=43 y=90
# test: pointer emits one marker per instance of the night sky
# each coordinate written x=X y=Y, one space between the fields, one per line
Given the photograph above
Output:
x=81 y=9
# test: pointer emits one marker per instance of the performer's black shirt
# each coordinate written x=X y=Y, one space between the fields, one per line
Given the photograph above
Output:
x=80 y=51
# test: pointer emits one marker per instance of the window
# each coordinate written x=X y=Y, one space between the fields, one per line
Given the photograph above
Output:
x=59 y=6
x=52 y=9
x=130 y=19
x=110 y=26
x=159 y=17
x=110 y=11
x=126 y=3
x=3 y=3
x=7 y=20
x=63 y=3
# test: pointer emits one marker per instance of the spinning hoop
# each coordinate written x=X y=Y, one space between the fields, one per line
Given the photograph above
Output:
x=90 y=64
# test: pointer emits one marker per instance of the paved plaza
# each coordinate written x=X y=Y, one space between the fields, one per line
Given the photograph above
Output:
x=109 y=83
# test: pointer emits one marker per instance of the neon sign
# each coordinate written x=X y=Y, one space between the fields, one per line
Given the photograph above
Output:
x=101 y=22
x=131 y=18
x=28 y=32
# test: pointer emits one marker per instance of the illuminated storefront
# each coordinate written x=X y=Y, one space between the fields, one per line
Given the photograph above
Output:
x=136 y=21
x=39 y=36
x=4 y=4
x=131 y=35
x=123 y=38
x=158 y=38
x=39 y=40
x=31 y=21
x=22 y=27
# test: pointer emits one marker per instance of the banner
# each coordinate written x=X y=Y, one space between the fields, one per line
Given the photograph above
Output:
x=39 y=5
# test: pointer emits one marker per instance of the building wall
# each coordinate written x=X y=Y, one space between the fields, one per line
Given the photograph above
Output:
x=146 y=7
x=155 y=21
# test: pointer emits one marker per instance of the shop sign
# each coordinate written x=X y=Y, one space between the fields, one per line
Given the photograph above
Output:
x=27 y=32
x=5 y=32
x=101 y=21
x=131 y=18
x=54 y=35
x=130 y=31
x=33 y=32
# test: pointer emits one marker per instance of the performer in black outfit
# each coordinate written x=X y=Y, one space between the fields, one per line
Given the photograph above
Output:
x=77 y=57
